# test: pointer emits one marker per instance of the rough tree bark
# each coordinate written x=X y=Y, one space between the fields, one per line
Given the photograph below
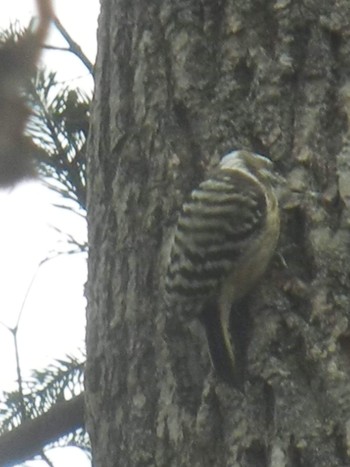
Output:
x=179 y=84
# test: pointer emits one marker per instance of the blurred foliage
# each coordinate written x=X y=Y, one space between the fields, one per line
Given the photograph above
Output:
x=11 y=35
x=58 y=126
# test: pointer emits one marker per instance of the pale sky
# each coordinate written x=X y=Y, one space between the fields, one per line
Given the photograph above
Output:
x=53 y=319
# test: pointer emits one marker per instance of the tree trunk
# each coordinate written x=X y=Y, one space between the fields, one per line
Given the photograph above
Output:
x=178 y=85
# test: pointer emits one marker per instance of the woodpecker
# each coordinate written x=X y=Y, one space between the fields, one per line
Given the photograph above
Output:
x=225 y=236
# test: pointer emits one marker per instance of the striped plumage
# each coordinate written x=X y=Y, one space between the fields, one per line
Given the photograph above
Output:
x=225 y=236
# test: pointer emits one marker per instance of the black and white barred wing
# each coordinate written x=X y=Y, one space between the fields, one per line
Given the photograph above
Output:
x=222 y=217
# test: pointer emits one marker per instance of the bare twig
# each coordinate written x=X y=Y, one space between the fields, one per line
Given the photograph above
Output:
x=73 y=46
x=46 y=459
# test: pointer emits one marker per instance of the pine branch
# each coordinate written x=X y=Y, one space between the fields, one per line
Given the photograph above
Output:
x=59 y=126
x=41 y=392
x=32 y=436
